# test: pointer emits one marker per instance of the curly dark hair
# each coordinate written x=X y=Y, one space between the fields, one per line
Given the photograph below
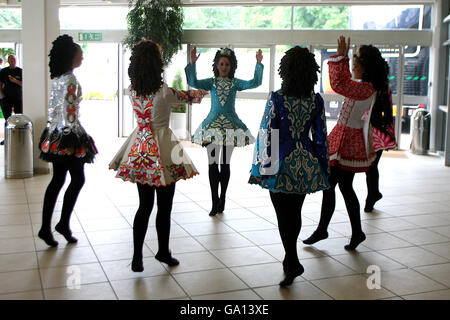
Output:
x=61 y=55
x=146 y=67
x=376 y=71
x=230 y=56
x=298 y=71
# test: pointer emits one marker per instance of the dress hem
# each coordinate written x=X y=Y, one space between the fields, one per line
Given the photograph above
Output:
x=194 y=173
x=284 y=191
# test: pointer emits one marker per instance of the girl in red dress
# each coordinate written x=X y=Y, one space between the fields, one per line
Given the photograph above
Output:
x=350 y=141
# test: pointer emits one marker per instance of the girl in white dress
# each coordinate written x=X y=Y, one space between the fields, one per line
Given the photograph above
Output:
x=152 y=157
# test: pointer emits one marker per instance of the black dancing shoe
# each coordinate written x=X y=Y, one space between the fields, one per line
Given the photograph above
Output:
x=214 y=209
x=291 y=274
x=66 y=233
x=355 y=241
x=137 y=265
x=316 y=236
x=371 y=202
x=48 y=238
x=167 y=258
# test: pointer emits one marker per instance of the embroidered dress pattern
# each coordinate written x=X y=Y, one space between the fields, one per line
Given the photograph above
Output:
x=223 y=87
x=222 y=125
x=303 y=164
x=152 y=154
x=381 y=140
x=143 y=163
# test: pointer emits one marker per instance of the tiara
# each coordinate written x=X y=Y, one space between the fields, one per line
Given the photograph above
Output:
x=225 y=52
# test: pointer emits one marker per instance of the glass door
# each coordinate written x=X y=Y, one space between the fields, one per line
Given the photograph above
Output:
x=98 y=76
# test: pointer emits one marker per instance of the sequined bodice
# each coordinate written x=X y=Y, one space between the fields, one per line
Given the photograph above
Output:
x=65 y=97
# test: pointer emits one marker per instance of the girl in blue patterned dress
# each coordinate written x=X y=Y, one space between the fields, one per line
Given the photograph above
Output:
x=222 y=130
x=286 y=160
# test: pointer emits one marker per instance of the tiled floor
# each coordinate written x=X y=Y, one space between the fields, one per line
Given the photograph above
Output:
x=235 y=255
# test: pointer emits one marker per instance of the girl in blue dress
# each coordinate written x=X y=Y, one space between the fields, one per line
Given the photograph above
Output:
x=286 y=160
x=222 y=130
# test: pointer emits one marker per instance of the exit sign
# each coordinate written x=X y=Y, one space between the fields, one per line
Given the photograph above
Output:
x=89 y=36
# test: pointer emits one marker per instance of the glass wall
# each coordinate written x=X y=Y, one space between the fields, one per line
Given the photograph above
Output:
x=95 y=18
x=322 y=17
x=389 y=17
x=10 y=18
x=237 y=17
x=382 y=17
x=98 y=76
x=246 y=58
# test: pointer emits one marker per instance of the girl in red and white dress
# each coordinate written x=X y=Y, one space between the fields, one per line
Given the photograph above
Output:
x=350 y=141
x=152 y=157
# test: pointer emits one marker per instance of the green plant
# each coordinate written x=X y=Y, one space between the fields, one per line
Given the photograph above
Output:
x=177 y=83
x=5 y=52
x=159 y=20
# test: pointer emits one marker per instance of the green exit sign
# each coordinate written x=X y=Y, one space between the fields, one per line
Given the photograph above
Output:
x=89 y=36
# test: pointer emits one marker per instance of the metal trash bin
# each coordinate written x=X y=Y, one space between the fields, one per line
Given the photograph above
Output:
x=18 y=147
x=420 y=131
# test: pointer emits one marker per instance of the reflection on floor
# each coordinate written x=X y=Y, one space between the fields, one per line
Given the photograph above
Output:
x=235 y=255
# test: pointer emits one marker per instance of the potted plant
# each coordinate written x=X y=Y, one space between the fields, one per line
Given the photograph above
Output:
x=159 y=20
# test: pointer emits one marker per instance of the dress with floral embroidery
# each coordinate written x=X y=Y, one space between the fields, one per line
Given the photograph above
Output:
x=286 y=159
x=152 y=154
x=222 y=125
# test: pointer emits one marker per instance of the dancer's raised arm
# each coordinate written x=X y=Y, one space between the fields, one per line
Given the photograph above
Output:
x=191 y=74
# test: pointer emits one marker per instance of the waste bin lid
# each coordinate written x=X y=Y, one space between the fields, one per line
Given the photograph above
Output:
x=420 y=112
x=18 y=121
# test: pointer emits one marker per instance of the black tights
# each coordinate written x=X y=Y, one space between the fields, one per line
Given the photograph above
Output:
x=372 y=178
x=289 y=209
x=146 y=200
x=76 y=169
x=345 y=181
x=221 y=157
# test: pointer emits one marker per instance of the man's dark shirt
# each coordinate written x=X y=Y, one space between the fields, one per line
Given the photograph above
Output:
x=12 y=91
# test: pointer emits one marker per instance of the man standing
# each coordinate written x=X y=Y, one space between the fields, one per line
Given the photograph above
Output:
x=11 y=88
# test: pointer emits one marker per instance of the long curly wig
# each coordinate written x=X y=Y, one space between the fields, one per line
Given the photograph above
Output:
x=229 y=54
x=298 y=71
x=146 y=67
x=376 y=71
x=61 y=55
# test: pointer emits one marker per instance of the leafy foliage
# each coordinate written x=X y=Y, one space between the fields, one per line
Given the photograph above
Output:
x=5 y=52
x=321 y=17
x=159 y=20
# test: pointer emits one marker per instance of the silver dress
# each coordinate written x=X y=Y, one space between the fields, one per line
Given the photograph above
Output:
x=64 y=138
